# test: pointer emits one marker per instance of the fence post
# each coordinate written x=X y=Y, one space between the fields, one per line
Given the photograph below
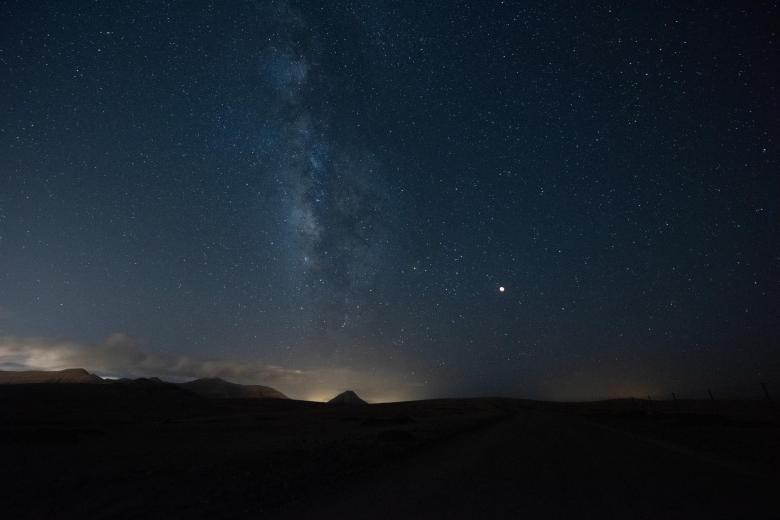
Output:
x=766 y=392
x=772 y=406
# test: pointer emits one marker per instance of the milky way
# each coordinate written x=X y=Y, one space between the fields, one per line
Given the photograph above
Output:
x=333 y=201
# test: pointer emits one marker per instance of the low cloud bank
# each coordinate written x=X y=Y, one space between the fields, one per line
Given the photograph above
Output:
x=121 y=355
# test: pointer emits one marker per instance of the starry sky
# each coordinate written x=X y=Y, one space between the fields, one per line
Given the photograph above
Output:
x=328 y=195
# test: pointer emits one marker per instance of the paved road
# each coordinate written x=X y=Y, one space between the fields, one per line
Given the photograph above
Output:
x=544 y=465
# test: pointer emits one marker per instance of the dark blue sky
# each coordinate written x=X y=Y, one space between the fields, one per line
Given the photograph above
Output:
x=327 y=195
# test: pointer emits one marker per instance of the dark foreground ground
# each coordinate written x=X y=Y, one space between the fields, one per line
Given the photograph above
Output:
x=104 y=451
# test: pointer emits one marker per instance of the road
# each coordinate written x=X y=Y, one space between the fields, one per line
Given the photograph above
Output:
x=547 y=465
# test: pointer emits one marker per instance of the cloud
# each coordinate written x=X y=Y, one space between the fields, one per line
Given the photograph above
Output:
x=121 y=355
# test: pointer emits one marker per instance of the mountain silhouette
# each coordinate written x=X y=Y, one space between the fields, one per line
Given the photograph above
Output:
x=215 y=387
x=69 y=375
x=349 y=397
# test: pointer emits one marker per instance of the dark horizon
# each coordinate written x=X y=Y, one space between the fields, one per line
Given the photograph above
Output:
x=531 y=200
x=758 y=392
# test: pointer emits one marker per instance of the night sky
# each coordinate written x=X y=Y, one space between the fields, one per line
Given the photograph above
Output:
x=321 y=196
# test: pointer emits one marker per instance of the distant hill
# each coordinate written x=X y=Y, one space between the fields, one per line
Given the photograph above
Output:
x=142 y=381
x=215 y=387
x=348 y=397
x=70 y=375
x=209 y=387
